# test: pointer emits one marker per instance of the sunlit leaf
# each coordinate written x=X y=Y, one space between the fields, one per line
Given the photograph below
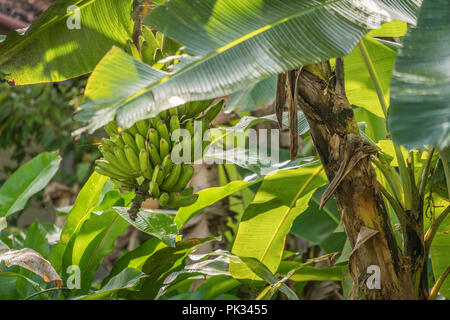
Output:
x=234 y=44
x=51 y=51
x=268 y=219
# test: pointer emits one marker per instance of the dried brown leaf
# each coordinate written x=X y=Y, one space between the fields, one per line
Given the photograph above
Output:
x=33 y=261
x=280 y=100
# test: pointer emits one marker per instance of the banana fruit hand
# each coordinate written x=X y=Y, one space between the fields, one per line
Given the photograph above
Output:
x=141 y=156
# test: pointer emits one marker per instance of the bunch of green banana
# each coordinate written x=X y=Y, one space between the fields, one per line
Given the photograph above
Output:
x=140 y=157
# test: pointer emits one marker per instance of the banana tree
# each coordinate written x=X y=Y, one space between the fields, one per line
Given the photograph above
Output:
x=221 y=47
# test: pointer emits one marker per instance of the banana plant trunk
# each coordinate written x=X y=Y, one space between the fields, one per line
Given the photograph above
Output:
x=346 y=160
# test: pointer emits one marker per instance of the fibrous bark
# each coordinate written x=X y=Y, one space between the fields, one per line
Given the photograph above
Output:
x=346 y=160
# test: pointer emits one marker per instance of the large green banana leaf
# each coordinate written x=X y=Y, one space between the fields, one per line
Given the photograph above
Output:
x=234 y=44
x=51 y=51
x=420 y=88
x=268 y=219
x=87 y=199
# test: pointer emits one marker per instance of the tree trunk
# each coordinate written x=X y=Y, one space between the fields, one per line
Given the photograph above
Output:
x=345 y=154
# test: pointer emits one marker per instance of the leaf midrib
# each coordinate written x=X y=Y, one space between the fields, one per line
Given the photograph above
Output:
x=230 y=46
x=286 y=214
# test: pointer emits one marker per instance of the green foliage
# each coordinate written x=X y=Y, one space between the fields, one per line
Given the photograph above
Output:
x=27 y=181
x=268 y=219
x=237 y=49
x=44 y=54
x=422 y=78
x=38 y=117
x=228 y=37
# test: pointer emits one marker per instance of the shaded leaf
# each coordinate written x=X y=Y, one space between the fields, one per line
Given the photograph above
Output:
x=208 y=197
x=154 y=222
x=127 y=278
x=420 y=87
x=440 y=247
x=94 y=241
x=26 y=181
x=135 y=259
x=87 y=200
x=256 y=95
x=161 y=264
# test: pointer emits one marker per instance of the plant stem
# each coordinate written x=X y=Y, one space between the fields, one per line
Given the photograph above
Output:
x=400 y=212
x=404 y=175
x=431 y=232
x=44 y=291
x=424 y=175
x=390 y=175
x=443 y=154
x=438 y=284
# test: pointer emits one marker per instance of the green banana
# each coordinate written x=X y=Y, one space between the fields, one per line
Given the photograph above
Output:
x=147 y=53
x=150 y=38
x=189 y=126
x=107 y=144
x=163 y=199
x=158 y=175
x=164 y=148
x=142 y=127
x=154 y=121
x=153 y=137
x=185 y=176
x=163 y=115
x=145 y=148
x=111 y=158
x=187 y=192
x=173 y=111
x=167 y=165
x=103 y=172
x=140 y=141
x=117 y=140
x=109 y=169
x=125 y=185
x=129 y=140
x=144 y=163
x=154 y=190
x=132 y=158
x=162 y=130
x=133 y=130
x=174 y=123
x=123 y=161
x=172 y=179
x=155 y=158
x=177 y=200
